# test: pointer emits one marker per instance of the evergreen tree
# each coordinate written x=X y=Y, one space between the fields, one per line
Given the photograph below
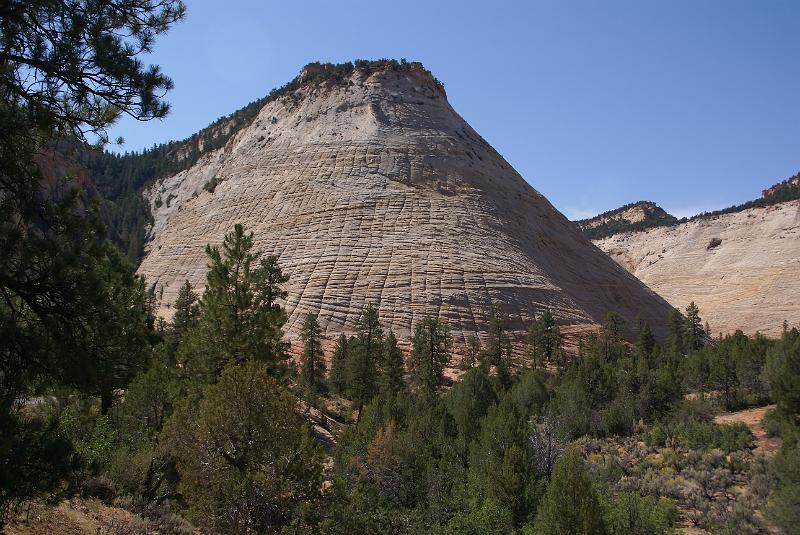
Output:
x=550 y=337
x=429 y=355
x=695 y=334
x=247 y=461
x=468 y=401
x=472 y=353
x=570 y=504
x=782 y=372
x=498 y=345
x=645 y=341
x=363 y=362
x=722 y=373
x=72 y=312
x=186 y=308
x=312 y=360
x=339 y=365
x=240 y=318
x=533 y=346
x=613 y=327
x=676 y=333
x=391 y=367
x=500 y=460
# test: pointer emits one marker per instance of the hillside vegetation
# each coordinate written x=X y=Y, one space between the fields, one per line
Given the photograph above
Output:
x=115 y=421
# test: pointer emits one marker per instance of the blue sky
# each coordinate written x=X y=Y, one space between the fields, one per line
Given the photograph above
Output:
x=692 y=104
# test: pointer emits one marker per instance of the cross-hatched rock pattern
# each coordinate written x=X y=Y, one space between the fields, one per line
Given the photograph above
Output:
x=374 y=190
x=742 y=269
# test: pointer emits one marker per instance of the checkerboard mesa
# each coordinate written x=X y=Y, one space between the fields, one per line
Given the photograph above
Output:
x=370 y=188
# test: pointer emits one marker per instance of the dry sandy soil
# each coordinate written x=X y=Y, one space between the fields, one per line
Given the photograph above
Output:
x=74 y=517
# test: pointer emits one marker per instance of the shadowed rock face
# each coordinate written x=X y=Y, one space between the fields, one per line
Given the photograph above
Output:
x=373 y=190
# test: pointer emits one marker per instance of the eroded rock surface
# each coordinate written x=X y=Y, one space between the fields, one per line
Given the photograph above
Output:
x=742 y=269
x=373 y=190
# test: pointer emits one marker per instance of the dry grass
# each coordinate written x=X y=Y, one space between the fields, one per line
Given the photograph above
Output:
x=74 y=517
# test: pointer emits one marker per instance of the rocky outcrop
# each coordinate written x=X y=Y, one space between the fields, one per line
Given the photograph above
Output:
x=371 y=189
x=742 y=268
x=634 y=216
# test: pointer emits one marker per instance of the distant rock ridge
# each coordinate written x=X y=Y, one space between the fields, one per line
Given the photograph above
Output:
x=740 y=267
x=370 y=188
x=635 y=216
x=787 y=187
x=643 y=215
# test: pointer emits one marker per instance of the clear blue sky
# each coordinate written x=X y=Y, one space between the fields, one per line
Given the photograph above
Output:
x=693 y=104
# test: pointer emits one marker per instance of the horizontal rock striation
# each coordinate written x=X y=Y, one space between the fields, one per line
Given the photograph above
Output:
x=371 y=189
x=742 y=268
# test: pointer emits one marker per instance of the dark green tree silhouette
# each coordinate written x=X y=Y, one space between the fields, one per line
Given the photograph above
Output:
x=72 y=312
x=339 y=365
x=187 y=310
x=391 y=372
x=312 y=360
x=472 y=353
x=570 y=504
x=498 y=344
x=240 y=318
x=247 y=461
x=695 y=333
x=365 y=357
x=429 y=355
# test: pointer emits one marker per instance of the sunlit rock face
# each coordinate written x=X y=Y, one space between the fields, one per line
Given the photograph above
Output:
x=742 y=269
x=372 y=189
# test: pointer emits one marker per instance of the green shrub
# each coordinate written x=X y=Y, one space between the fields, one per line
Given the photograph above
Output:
x=212 y=184
x=699 y=435
x=629 y=513
x=734 y=437
x=92 y=437
x=776 y=423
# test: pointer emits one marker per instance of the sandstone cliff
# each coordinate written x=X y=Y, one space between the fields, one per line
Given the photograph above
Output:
x=371 y=189
x=634 y=216
x=742 y=268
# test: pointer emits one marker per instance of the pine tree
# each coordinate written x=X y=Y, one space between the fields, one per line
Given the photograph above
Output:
x=472 y=353
x=570 y=504
x=613 y=327
x=186 y=308
x=783 y=375
x=339 y=365
x=498 y=345
x=312 y=360
x=645 y=341
x=429 y=355
x=533 y=346
x=501 y=458
x=722 y=373
x=363 y=363
x=551 y=337
x=391 y=367
x=246 y=460
x=240 y=318
x=72 y=312
x=676 y=333
x=695 y=334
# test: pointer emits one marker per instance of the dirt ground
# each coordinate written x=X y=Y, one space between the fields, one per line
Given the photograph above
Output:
x=752 y=419
x=74 y=517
